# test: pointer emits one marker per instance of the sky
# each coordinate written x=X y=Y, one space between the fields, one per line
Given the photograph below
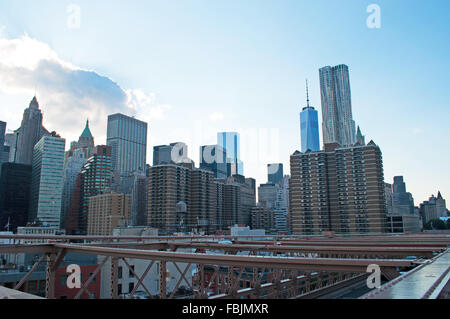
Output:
x=192 y=68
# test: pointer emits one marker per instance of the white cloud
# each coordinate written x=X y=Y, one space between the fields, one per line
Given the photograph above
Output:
x=69 y=94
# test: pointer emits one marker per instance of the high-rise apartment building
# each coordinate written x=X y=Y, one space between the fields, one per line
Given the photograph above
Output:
x=15 y=184
x=263 y=218
x=339 y=190
x=247 y=188
x=30 y=132
x=168 y=186
x=338 y=125
x=202 y=206
x=231 y=143
x=108 y=211
x=214 y=158
x=47 y=181
x=128 y=138
x=309 y=127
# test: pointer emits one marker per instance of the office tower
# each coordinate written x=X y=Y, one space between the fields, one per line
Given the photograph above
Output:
x=434 y=208
x=309 y=127
x=231 y=143
x=168 y=186
x=139 y=197
x=85 y=143
x=202 y=207
x=339 y=190
x=15 y=184
x=338 y=125
x=275 y=173
x=247 y=188
x=128 y=138
x=30 y=132
x=72 y=167
x=47 y=180
x=108 y=211
x=263 y=218
x=96 y=177
x=267 y=195
x=402 y=201
x=4 y=149
x=2 y=133
x=213 y=158
x=389 y=198
x=401 y=216
x=175 y=153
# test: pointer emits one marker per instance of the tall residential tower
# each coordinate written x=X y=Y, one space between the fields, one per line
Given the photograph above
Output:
x=338 y=125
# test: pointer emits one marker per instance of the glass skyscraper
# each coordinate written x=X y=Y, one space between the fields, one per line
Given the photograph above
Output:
x=128 y=138
x=231 y=143
x=309 y=127
x=338 y=125
x=213 y=158
x=47 y=181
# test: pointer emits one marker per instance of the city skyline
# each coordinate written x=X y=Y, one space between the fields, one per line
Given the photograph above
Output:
x=401 y=137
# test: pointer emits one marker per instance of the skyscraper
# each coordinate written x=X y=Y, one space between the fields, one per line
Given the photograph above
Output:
x=128 y=138
x=4 y=149
x=231 y=143
x=309 y=127
x=85 y=143
x=15 y=183
x=403 y=202
x=47 y=180
x=338 y=125
x=213 y=158
x=275 y=173
x=72 y=167
x=29 y=133
x=175 y=153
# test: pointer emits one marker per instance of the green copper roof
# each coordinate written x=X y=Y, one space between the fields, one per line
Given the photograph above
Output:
x=87 y=132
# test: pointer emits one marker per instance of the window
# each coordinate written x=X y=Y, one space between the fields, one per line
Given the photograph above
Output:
x=119 y=273
x=119 y=289
x=131 y=287
x=130 y=272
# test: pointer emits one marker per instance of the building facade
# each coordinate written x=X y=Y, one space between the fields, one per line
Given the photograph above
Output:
x=339 y=190
x=15 y=182
x=128 y=138
x=108 y=211
x=309 y=127
x=338 y=125
x=214 y=158
x=275 y=173
x=231 y=143
x=30 y=132
x=47 y=181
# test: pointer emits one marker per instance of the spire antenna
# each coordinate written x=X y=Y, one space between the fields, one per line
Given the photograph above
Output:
x=307 y=93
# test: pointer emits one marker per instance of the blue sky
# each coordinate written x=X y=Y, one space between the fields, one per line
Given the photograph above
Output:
x=194 y=68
